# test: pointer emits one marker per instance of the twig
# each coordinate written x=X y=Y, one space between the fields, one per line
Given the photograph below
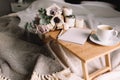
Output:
x=61 y=32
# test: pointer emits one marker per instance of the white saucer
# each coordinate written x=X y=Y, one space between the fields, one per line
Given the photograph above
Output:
x=111 y=42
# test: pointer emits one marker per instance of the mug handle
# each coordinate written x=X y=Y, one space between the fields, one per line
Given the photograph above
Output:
x=115 y=33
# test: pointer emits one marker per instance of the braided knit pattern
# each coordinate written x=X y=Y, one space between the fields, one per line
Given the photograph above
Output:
x=37 y=76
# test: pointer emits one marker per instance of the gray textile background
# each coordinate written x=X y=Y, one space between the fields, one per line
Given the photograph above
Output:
x=5 y=7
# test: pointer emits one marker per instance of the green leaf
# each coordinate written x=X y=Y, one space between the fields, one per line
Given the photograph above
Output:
x=44 y=18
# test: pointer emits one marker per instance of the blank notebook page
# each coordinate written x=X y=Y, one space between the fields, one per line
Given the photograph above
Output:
x=76 y=35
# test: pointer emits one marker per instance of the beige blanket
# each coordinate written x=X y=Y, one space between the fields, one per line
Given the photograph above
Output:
x=19 y=51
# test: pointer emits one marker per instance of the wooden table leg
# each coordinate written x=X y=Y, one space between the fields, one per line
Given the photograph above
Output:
x=85 y=70
x=108 y=61
x=98 y=72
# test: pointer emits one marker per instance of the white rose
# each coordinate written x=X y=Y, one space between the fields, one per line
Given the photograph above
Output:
x=54 y=10
x=67 y=11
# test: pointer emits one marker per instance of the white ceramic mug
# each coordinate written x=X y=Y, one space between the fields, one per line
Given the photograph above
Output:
x=105 y=32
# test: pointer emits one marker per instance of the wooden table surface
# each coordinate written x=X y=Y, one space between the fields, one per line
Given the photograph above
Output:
x=87 y=51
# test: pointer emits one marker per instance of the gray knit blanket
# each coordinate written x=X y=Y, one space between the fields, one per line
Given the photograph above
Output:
x=20 y=50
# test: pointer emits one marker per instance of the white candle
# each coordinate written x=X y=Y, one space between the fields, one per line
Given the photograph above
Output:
x=66 y=26
x=70 y=21
x=79 y=23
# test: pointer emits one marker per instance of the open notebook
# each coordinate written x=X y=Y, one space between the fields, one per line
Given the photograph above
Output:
x=76 y=35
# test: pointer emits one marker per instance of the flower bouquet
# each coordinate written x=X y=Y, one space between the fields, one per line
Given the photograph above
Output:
x=52 y=18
